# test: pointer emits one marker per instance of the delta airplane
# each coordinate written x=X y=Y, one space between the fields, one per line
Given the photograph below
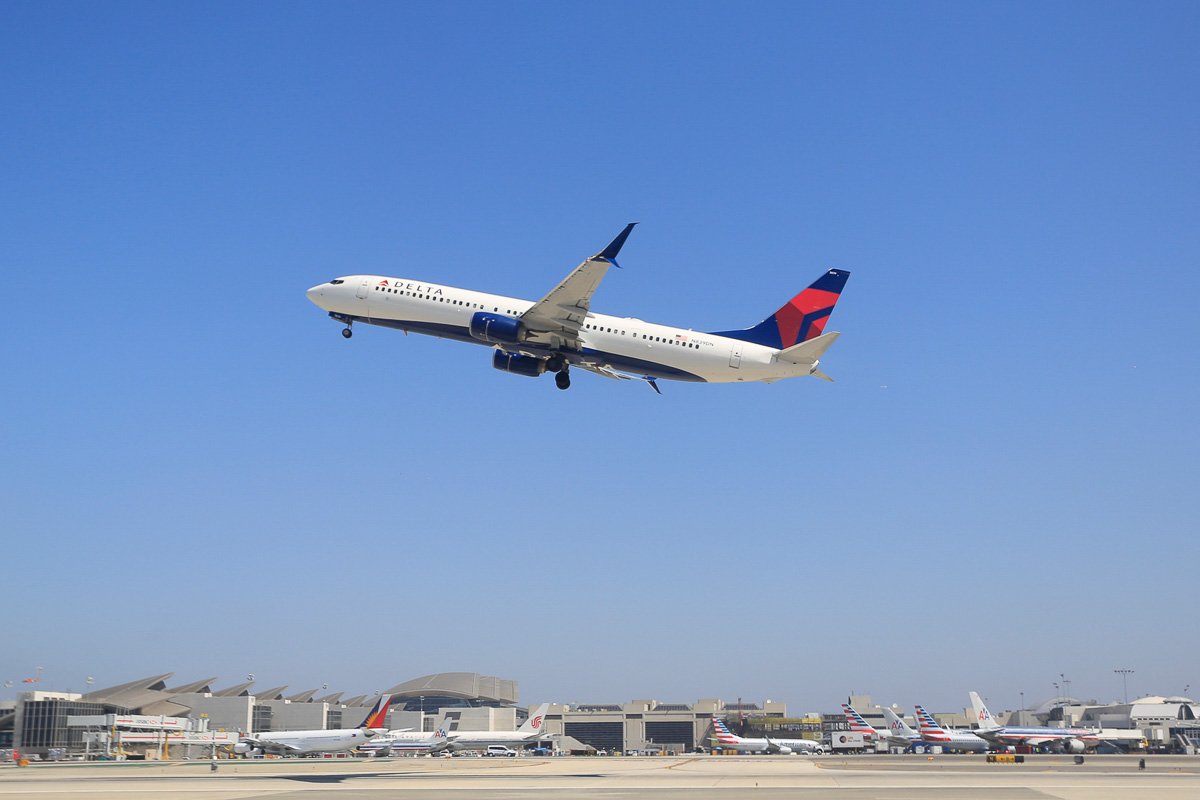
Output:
x=408 y=742
x=292 y=743
x=560 y=331
x=948 y=738
x=726 y=740
x=531 y=730
x=1066 y=740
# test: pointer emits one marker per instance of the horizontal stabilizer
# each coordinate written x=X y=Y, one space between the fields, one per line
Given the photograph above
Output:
x=808 y=352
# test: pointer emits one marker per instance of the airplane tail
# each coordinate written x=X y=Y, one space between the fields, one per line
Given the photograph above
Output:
x=801 y=319
x=926 y=723
x=856 y=721
x=982 y=716
x=536 y=718
x=721 y=732
x=896 y=725
x=377 y=717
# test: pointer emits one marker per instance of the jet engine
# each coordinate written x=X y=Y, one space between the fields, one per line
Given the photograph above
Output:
x=785 y=750
x=497 y=328
x=1073 y=746
x=518 y=364
x=246 y=749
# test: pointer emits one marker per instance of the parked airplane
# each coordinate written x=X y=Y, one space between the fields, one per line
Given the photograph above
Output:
x=1067 y=740
x=767 y=744
x=560 y=331
x=408 y=741
x=322 y=741
x=860 y=725
x=949 y=739
x=531 y=730
x=899 y=733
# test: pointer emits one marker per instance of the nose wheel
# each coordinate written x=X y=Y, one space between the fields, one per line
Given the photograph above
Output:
x=346 y=332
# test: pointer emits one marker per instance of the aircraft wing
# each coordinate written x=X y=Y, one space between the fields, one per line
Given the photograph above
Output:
x=558 y=317
x=267 y=746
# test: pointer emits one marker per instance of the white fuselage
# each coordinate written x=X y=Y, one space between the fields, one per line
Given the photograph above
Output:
x=622 y=343
x=954 y=740
x=298 y=742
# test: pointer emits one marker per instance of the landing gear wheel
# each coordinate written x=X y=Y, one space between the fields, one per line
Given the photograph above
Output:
x=562 y=380
x=347 y=332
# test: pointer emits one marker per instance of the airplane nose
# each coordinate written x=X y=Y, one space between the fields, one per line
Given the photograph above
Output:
x=313 y=293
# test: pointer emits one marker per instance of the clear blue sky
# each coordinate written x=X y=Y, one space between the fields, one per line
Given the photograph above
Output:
x=201 y=476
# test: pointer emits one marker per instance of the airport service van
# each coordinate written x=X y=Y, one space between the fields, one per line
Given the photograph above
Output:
x=500 y=750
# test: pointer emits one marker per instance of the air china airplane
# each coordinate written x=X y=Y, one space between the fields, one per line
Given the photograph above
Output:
x=531 y=730
x=560 y=331
x=949 y=739
x=724 y=739
x=1066 y=740
x=292 y=743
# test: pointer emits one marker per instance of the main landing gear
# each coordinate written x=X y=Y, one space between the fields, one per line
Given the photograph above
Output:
x=559 y=365
x=563 y=379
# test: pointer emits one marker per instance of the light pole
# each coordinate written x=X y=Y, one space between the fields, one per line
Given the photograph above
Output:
x=1124 y=673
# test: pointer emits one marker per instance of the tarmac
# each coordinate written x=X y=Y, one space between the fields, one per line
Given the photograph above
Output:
x=869 y=777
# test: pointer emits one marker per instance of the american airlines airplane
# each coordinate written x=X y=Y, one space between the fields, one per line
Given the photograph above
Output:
x=767 y=744
x=292 y=743
x=949 y=739
x=560 y=331
x=1066 y=740
x=860 y=725
x=899 y=732
x=408 y=741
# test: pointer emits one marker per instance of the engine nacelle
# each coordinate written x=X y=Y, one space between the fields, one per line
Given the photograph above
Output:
x=497 y=328
x=518 y=364
x=1074 y=746
x=785 y=750
x=246 y=749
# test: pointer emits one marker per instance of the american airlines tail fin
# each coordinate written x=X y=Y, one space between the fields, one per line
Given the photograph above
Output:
x=926 y=723
x=982 y=716
x=856 y=722
x=721 y=732
x=533 y=725
x=897 y=726
x=801 y=319
x=377 y=718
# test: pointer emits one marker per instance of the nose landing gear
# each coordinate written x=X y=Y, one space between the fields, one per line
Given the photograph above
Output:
x=346 y=332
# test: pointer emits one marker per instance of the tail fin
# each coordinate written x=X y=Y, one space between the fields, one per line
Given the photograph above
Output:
x=982 y=716
x=536 y=718
x=926 y=723
x=896 y=725
x=377 y=718
x=721 y=731
x=803 y=317
x=856 y=722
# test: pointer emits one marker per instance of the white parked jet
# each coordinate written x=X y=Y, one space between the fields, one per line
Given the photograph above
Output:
x=1066 y=740
x=899 y=732
x=948 y=738
x=560 y=331
x=530 y=731
x=860 y=725
x=323 y=741
x=766 y=744
x=408 y=741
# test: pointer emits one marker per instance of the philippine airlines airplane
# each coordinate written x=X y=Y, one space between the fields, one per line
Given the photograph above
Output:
x=531 y=730
x=408 y=741
x=324 y=741
x=726 y=740
x=1067 y=740
x=560 y=331
x=949 y=739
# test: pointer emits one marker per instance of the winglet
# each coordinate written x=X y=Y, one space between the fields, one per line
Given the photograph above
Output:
x=614 y=247
x=653 y=385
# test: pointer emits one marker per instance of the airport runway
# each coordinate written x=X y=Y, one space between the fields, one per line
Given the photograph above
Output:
x=660 y=778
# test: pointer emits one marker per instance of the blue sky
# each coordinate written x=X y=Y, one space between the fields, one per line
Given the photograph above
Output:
x=201 y=476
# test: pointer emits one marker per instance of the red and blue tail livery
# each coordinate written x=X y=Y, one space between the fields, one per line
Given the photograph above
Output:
x=803 y=318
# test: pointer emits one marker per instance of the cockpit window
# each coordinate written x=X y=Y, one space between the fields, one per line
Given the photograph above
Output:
x=336 y=281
